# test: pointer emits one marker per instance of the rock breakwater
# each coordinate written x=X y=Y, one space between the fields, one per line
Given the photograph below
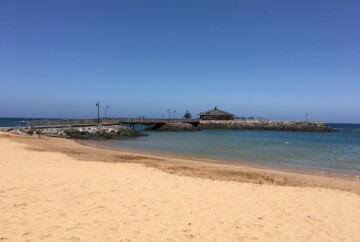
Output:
x=18 y=130
x=92 y=132
x=177 y=127
x=89 y=132
x=267 y=125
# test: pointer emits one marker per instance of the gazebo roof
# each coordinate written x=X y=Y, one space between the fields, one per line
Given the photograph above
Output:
x=216 y=112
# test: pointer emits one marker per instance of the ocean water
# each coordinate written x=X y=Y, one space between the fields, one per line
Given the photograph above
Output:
x=12 y=122
x=16 y=122
x=329 y=152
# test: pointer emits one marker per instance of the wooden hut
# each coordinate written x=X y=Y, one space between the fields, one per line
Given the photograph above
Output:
x=216 y=114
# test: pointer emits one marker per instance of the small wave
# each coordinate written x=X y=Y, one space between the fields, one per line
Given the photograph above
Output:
x=355 y=130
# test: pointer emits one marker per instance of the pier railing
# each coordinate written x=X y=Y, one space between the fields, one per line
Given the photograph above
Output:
x=103 y=121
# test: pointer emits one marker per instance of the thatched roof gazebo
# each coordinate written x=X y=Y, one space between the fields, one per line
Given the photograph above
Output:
x=216 y=114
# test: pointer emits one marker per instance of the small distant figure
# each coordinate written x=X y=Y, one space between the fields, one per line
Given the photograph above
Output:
x=39 y=133
x=286 y=142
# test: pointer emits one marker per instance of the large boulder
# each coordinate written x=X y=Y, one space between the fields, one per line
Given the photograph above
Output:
x=18 y=130
x=6 y=129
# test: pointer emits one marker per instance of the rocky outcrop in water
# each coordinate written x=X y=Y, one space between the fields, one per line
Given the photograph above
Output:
x=177 y=127
x=267 y=125
x=91 y=132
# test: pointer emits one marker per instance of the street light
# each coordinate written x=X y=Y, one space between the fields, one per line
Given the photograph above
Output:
x=169 y=114
x=306 y=117
x=98 y=106
x=174 y=114
x=106 y=107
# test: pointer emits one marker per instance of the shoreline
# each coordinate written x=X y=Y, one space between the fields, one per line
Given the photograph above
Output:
x=193 y=166
x=240 y=163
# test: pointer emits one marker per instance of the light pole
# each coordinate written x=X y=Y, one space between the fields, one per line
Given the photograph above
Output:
x=98 y=106
x=174 y=114
x=169 y=111
x=306 y=117
x=106 y=107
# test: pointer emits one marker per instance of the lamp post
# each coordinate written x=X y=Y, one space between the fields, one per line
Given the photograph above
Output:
x=106 y=107
x=169 y=111
x=306 y=117
x=174 y=114
x=98 y=106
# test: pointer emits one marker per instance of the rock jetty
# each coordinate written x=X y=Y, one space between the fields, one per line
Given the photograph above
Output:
x=18 y=130
x=89 y=132
x=92 y=132
x=267 y=125
x=177 y=127
x=4 y=129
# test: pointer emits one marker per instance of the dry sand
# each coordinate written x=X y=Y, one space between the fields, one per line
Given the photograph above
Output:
x=54 y=190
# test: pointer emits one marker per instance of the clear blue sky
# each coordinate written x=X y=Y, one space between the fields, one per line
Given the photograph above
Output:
x=271 y=58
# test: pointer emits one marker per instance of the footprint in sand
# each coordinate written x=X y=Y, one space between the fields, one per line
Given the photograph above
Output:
x=74 y=238
x=19 y=205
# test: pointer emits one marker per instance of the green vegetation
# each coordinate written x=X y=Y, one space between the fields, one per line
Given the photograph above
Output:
x=187 y=115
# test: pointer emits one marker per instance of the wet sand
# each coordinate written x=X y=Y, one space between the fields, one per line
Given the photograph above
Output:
x=57 y=189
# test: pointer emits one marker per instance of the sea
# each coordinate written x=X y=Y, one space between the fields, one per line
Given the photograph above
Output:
x=336 y=152
x=13 y=122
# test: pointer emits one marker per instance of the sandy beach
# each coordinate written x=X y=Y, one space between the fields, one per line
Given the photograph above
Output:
x=59 y=190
